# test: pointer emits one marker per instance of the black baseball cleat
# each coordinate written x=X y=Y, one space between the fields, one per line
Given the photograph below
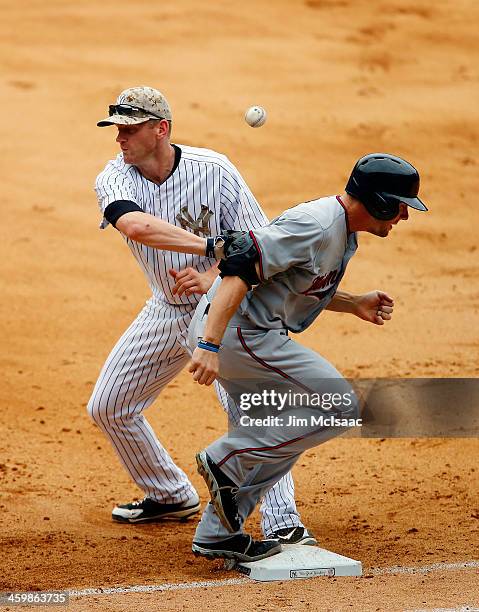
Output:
x=294 y=535
x=222 y=491
x=240 y=547
x=148 y=510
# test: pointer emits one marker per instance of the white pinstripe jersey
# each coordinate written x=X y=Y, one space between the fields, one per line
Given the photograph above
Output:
x=204 y=182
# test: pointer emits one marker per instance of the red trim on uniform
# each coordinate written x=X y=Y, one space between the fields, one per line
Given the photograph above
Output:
x=259 y=253
x=267 y=448
x=338 y=198
x=267 y=365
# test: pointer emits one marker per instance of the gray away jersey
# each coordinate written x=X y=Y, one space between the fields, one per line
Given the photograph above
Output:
x=205 y=194
x=303 y=256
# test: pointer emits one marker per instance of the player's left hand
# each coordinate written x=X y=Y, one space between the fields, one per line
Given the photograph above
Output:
x=204 y=366
x=375 y=307
x=190 y=281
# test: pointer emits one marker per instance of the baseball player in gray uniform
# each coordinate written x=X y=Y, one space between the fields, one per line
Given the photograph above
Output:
x=165 y=200
x=276 y=279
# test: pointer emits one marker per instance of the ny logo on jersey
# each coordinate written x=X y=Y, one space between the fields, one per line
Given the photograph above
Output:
x=199 y=225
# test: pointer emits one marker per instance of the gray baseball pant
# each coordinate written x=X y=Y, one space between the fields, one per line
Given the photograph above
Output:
x=256 y=458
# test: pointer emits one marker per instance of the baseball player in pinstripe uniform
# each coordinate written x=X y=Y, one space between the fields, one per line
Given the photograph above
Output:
x=165 y=199
x=275 y=279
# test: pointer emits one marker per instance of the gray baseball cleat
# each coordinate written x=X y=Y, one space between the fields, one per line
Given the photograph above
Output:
x=240 y=547
x=222 y=491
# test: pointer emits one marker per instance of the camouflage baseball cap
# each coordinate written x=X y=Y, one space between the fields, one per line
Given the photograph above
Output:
x=137 y=105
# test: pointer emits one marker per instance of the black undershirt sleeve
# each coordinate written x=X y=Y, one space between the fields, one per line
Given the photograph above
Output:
x=118 y=208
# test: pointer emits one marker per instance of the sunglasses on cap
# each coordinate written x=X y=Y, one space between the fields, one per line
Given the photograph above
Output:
x=131 y=111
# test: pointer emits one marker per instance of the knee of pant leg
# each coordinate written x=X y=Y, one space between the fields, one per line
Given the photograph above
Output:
x=340 y=400
x=356 y=408
x=92 y=408
x=98 y=409
x=335 y=397
x=108 y=410
x=349 y=407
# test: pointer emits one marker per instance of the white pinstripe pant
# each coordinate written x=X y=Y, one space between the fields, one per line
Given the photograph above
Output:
x=145 y=359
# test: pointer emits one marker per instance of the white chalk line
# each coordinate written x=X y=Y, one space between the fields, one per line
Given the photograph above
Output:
x=376 y=571
x=150 y=588
x=425 y=569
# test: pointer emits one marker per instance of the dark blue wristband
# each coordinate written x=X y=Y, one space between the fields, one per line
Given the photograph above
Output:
x=208 y=346
x=210 y=247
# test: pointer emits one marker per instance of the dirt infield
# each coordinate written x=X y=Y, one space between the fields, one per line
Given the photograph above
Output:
x=339 y=78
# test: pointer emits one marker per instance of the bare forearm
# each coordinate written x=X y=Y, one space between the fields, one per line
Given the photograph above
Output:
x=343 y=302
x=225 y=303
x=154 y=232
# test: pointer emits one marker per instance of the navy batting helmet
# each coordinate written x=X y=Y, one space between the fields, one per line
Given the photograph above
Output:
x=381 y=182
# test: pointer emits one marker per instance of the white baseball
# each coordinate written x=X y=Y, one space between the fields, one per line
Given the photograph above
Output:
x=255 y=116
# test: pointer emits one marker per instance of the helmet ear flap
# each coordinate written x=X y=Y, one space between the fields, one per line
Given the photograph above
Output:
x=378 y=205
x=385 y=208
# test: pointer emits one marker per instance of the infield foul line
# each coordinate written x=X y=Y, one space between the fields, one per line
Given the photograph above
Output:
x=434 y=567
x=150 y=588
x=376 y=571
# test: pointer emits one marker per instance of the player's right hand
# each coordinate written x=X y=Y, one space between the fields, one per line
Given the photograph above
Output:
x=204 y=366
x=190 y=281
x=376 y=307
